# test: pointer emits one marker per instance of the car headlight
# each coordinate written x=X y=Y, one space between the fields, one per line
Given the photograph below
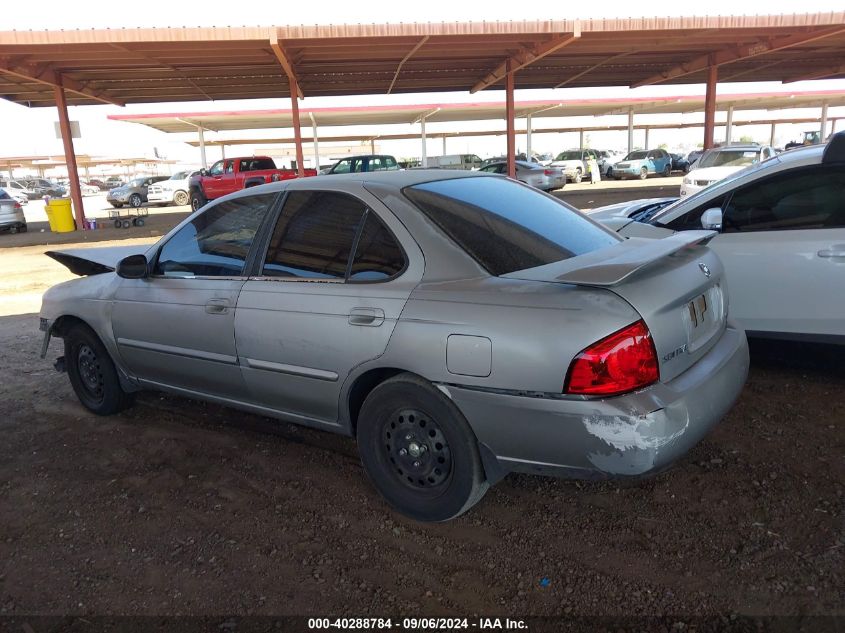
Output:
x=687 y=181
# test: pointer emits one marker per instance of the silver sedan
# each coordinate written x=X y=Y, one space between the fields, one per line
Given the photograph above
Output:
x=459 y=325
x=534 y=174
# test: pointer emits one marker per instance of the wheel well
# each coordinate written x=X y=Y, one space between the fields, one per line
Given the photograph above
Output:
x=253 y=183
x=62 y=325
x=362 y=387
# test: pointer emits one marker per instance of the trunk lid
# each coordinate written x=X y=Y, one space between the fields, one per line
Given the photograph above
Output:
x=676 y=284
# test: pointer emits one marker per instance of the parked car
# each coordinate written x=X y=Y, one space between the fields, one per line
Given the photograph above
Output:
x=607 y=159
x=781 y=236
x=174 y=190
x=16 y=194
x=88 y=189
x=43 y=187
x=459 y=325
x=575 y=163
x=12 y=218
x=642 y=163
x=535 y=158
x=694 y=155
x=20 y=188
x=113 y=181
x=534 y=174
x=454 y=161
x=100 y=184
x=233 y=174
x=679 y=163
x=133 y=193
x=364 y=163
x=722 y=161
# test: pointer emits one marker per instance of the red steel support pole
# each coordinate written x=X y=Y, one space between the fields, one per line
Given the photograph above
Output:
x=297 y=133
x=70 y=158
x=509 y=114
x=710 y=106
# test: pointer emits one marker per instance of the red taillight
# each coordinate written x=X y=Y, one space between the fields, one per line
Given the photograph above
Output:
x=624 y=361
x=549 y=172
x=17 y=206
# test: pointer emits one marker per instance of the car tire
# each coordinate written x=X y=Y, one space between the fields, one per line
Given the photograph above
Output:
x=578 y=176
x=23 y=229
x=135 y=200
x=138 y=221
x=419 y=451
x=92 y=373
x=197 y=200
x=118 y=223
x=116 y=205
x=667 y=171
x=181 y=198
x=126 y=223
x=643 y=173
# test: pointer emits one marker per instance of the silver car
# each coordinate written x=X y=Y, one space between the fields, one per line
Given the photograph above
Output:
x=534 y=174
x=460 y=325
x=11 y=214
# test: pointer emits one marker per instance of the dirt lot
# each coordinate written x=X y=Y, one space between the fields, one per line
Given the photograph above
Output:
x=178 y=507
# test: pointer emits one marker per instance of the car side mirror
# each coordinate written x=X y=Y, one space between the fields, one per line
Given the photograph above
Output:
x=203 y=172
x=133 y=267
x=712 y=219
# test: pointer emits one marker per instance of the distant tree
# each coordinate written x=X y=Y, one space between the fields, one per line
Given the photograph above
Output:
x=745 y=138
x=663 y=146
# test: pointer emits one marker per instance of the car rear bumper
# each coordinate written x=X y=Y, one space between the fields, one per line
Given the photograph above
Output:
x=634 y=434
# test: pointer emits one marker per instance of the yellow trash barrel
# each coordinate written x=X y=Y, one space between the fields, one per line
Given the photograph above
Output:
x=60 y=215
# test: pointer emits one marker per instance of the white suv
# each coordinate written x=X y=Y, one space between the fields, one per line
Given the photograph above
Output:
x=720 y=162
x=172 y=191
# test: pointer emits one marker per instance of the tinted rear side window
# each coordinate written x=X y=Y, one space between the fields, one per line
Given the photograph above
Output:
x=506 y=226
x=314 y=235
x=378 y=255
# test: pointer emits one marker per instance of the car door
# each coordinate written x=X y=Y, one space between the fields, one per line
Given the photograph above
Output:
x=326 y=297
x=175 y=328
x=213 y=183
x=783 y=245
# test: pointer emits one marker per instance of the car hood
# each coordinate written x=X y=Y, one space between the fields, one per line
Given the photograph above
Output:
x=95 y=261
x=712 y=173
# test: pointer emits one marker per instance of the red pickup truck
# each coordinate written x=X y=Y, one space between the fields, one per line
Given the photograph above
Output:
x=233 y=174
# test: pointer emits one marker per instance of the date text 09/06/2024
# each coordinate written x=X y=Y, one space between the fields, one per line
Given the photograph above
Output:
x=413 y=624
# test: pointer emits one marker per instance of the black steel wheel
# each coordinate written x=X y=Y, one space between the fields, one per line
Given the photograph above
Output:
x=118 y=223
x=92 y=373
x=197 y=200
x=419 y=451
x=138 y=221
x=126 y=223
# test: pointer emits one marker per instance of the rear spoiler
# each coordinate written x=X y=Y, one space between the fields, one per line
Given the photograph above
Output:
x=611 y=266
x=95 y=261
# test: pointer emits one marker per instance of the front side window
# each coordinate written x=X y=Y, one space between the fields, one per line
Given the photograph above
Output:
x=314 y=235
x=342 y=167
x=217 y=241
x=506 y=226
x=378 y=256
x=216 y=169
x=811 y=198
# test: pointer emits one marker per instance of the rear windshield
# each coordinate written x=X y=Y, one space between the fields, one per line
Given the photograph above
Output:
x=506 y=226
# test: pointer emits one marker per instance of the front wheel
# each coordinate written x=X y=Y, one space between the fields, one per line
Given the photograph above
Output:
x=181 y=198
x=197 y=200
x=643 y=173
x=577 y=177
x=667 y=171
x=92 y=373
x=135 y=201
x=419 y=451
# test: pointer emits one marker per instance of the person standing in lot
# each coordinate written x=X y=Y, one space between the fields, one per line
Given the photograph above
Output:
x=593 y=166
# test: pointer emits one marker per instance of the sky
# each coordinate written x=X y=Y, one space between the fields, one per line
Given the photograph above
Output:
x=25 y=131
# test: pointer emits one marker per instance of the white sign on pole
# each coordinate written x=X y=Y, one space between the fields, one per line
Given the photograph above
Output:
x=74 y=129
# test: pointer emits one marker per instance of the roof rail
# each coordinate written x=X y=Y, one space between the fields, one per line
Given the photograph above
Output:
x=834 y=152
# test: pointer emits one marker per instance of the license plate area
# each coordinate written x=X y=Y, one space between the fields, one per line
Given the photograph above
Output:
x=704 y=316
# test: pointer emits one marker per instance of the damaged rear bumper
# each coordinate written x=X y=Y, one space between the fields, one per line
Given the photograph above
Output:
x=634 y=434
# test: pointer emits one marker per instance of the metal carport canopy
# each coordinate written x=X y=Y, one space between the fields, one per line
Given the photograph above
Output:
x=457 y=112
x=189 y=64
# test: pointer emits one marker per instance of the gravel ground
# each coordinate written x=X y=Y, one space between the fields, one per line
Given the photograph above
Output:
x=179 y=507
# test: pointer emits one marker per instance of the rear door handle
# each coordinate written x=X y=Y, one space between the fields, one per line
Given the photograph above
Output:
x=835 y=251
x=372 y=317
x=217 y=306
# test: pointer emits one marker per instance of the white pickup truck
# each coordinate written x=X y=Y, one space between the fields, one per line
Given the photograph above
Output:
x=172 y=191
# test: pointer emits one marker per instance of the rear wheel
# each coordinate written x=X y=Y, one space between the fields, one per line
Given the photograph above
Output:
x=577 y=177
x=667 y=170
x=419 y=451
x=643 y=173
x=181 y=198
x=92 y=373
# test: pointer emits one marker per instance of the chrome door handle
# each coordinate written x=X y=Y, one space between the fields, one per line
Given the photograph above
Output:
x=836 y=251
x=366 y=316
x=217 y=306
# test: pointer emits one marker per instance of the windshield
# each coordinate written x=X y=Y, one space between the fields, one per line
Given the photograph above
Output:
x=719 y=188
x=137 y=182
x=507 y=226
x=180 y=175
x=730 y=158
x=571 y=155
x=636 y=156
